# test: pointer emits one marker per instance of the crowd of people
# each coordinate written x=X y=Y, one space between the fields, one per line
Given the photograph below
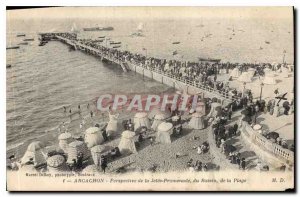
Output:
x=202 y=74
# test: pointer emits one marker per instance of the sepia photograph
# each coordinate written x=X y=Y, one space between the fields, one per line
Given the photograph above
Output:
x=150 y=99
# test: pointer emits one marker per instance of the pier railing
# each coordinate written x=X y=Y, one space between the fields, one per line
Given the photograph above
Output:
x=79 y=45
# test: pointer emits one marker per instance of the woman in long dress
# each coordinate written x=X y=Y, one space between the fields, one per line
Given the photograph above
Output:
x=112 y=124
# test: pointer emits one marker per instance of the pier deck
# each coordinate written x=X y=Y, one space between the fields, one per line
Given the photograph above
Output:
x=190 y=87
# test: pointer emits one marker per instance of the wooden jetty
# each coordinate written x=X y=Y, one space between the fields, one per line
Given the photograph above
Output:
x=190 y=87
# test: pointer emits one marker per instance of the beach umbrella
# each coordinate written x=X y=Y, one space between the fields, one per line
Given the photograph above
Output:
x=57 y=163
x=93 y=137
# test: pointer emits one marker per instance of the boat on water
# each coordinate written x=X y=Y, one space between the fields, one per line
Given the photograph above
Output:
x=139 y=31
x=21 y=35
x=116 y=46
x=115 y=42
x=13 y=47
x=175 y=52
x=98 y=40
x=137 y=34
x=175 y=42
x=108 y=28
x=8 y=65
x=23 y=43
x=267 y=42
x=101 y=37
x=28 y=39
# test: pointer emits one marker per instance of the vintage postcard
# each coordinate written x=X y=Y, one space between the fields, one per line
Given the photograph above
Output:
x=150 y=99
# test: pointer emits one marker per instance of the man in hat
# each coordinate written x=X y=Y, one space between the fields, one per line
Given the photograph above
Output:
x=79 y=161
x=103 y=162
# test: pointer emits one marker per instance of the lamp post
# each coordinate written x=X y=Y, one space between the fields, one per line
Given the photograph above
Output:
x=244 y=86
x=261 y=87
x=283 y=59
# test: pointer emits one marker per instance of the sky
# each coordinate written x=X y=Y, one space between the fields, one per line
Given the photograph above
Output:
x=154 y=12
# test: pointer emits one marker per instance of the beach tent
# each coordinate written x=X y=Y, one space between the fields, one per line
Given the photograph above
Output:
x=245 y=77
x=112 y=125
x=57 y=163
x=127 y=142
x=158 y=118
x=93 y=137
x=235 y=73
x=141 y=119
x=164 y=131
x=75 y=148
x=291 y=68
x=215 y=110
x=285 y=72
x=251 y=72
x=34 y=151
x=197 y=121
x=269 y=78
x=64 y=140
x=96 y=152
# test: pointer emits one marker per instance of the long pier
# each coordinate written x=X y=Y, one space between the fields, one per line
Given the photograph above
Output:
x=189 y=86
